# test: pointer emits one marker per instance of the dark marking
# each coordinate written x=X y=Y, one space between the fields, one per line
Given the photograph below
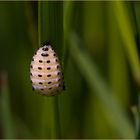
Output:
x=45 y=48
x=56 y=60
x=58 y=73
x=40 y=61
x=48 y=61
x=59 y=85
x=48 y=68
x=58 y=66
x=39 y=68
x=46 y=43
x=49 y=75
x=31 y=66
x=41 y=89
x=31 y=74
x=64 y=88
x=49 y=82
x=50 y=88
x=32 y=59
x=39 y=75
x=33 y=88
x=54 y=54
x=62 y=75
x=43 y=54
x=59 y=80
x=40 y=83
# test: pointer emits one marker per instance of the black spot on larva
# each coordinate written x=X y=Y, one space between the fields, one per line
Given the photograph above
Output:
x=58 y=66
x=31 y=66
x=50 y=88
x=40 y=83
x=33 y=88
x=40 y=61
x=32 y=59
x=64 y=88
x=48 y=61
x=58 y=73
x=49 y=82
x=48 y=68
x=43 y=54
x=45 y=48
x=56 y=60
x=35 y=53
x=31 y=74
x=39 y=75
x=59 y=85
x=41 y=89
x=54 y=54
x=49 y=75
x=39 y=68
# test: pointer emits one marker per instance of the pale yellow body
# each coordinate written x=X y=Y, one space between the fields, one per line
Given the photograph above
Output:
x=45 y=72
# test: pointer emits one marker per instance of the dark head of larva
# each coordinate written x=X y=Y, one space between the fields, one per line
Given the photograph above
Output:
x=45 y=48
x=46 y=43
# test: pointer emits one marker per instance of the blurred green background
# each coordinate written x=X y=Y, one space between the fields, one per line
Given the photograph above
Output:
x=98 y=43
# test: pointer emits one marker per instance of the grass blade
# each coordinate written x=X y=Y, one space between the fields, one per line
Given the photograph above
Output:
x=96 y=82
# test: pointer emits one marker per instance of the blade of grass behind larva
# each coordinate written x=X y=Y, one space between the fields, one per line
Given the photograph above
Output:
x=135 y=109
x=118 y=72
x=95 y=82
x=31 y=26
x=50 y=29
x=68 y=8
x=95 y=26
x=39 y=22
x=45 y=116
x=67 y=21
x=7 y=120
x=137 y=118
x=126 y=31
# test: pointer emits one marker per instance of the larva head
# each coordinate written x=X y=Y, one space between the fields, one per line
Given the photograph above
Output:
x=45 y=71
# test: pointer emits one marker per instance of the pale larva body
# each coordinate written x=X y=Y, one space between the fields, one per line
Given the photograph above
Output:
x=45 y=71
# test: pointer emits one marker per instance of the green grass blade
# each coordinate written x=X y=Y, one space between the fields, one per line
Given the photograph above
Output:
x=127 y=34
x=95 y=82
x=6 y=113
x=118 y=69
x=51 y=29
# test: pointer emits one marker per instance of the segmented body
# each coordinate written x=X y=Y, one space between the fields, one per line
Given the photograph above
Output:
x=45 y=71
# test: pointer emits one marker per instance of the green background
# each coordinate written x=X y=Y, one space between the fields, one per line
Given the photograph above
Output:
x=98 y=43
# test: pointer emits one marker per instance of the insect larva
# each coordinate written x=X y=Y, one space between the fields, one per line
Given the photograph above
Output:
x=45 y=71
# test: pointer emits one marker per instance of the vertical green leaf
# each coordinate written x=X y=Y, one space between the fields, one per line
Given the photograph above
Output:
x=51 y=29
x=95 y=82
x=127 y=34
x=6 y=112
